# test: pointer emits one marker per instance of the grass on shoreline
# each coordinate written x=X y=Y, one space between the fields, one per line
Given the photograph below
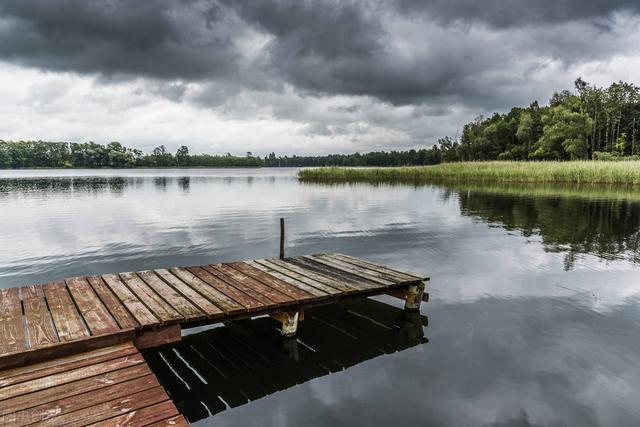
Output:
x=579 y=172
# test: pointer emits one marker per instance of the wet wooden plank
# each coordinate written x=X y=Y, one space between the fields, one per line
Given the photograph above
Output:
x=163 y=311
x=228 y=305
x=341 y=286
x=50 y=367
x=281 y=286
x=200 y=301
x=404 y=275
x=182 y=305
x=143 y=416
x=249 y=303
x=119 y=312
x=94 y=313
x=40 y=331
x=258 y=290
x=142 y=314
x=55 y=401
x=315 y=288
x=67 y=321
x=352 y=269
x=370 y=270
x=12 y=334
x=116 y=412
x=69 y=376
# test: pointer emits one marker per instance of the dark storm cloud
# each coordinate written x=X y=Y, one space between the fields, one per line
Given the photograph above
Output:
x=504 y=14
x=402 y=53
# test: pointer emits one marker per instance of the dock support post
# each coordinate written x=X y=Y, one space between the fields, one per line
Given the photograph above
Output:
x=281 y=238
x=413 y=297
x=289 y=321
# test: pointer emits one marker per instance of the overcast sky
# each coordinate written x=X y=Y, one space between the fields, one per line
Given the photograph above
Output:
x=303 y=77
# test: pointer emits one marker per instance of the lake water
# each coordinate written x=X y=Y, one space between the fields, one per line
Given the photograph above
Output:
x=534 y=309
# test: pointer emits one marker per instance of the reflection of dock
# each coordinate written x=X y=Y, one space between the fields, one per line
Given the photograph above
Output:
x=57 y=327
x=245 y=360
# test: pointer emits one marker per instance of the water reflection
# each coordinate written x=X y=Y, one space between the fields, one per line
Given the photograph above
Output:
x=604 y=222
x=246 y=360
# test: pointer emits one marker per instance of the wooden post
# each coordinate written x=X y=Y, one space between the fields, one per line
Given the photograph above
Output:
x=281 y=238
x=289 y=320
x=414 y=297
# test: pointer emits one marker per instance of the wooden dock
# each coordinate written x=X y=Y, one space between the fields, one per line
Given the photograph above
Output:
x=149 y=308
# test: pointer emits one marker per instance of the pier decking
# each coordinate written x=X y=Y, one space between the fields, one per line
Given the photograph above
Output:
x=58 y=333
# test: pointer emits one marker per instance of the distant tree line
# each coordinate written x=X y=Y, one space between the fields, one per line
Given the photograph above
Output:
x=587 y=123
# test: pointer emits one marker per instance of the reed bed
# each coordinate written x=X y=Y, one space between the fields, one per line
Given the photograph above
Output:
x=579 y=172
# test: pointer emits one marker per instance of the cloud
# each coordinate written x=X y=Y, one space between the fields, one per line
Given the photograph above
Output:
x=347 y=71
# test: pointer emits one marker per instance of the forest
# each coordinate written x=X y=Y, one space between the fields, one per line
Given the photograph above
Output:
x=588 y=122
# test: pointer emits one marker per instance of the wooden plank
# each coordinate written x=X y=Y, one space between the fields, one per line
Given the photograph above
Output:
x=113 y=410
x=158 y=336
x=40 y=332
x=312 y=274
x=95 y=314
x=36 y=355
x=173 y=298
x=175 y=421
x=265 y=294
x=55 y=401
x=358 y=282
x=12 y=334
x=228 y=305
x=369 y=270
x=163 y=311
x=352 y=269
x=50 y=367
x=67 y=321
x=363 y=262
x=209 y=308
x=142 y=314
x=250 y=304
x=273 y=282
x=69 y=376
x=116 y=308
x=143 y=417
x=315 y=288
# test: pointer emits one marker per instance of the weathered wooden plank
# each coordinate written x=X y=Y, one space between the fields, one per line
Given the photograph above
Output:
x=67 y=321
x=238 y=296
x=341 y=286
x=410 y=276
x=336 y=275
x=163 y=311
x=112 y=410
x=50 y=367
x=54 y=401
x=316 y=288
x=110 y=300
x=258 y=290
x=273 y=282
x=356 y=281
x=40 y=331
x=228 y=305
x=142 y=314
x=367 y=269
x=69 y=376
x=143 y=416
x=191 y=293
x=12 y=334
x=352 y=269
x=172 y=297
x=35 y=355
x=175 y=421
x=94 y=313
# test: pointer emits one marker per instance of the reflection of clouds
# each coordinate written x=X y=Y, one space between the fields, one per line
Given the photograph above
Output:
x=525 y=361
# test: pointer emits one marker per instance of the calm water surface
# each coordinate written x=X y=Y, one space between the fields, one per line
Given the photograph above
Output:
x=534 y=307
